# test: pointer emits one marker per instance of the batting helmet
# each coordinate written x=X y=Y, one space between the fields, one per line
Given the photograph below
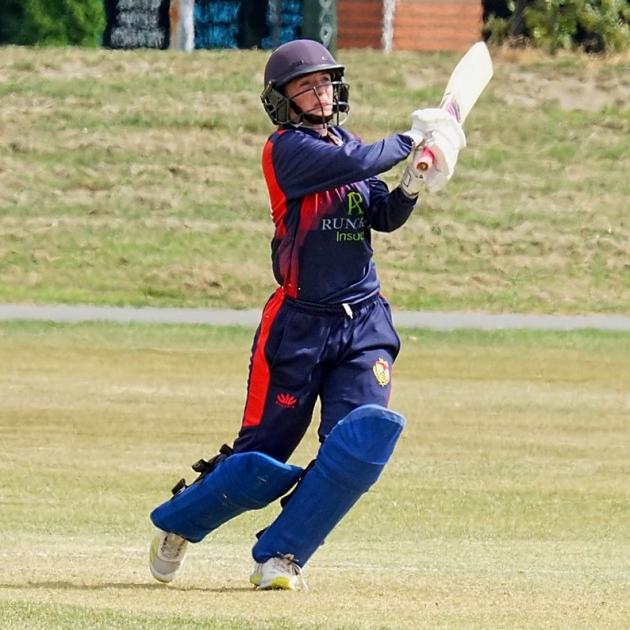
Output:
x=295 y=59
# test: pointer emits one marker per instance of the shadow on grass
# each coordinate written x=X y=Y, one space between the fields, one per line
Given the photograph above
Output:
x=70 y=586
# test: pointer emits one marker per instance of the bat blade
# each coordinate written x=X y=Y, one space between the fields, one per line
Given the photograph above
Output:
x=465 y=85
x=468 y=80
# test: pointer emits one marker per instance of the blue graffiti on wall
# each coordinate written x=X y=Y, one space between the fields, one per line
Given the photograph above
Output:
x=216 y=24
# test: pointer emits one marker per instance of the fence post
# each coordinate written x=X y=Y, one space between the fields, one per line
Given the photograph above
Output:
x=320 y=22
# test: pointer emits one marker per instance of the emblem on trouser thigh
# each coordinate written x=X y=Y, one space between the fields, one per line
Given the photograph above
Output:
x=286 y=400
x=382 y=372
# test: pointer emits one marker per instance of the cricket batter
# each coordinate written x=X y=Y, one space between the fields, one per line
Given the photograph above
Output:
x=326 y=332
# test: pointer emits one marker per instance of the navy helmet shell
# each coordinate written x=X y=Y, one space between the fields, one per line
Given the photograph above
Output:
x=297 y=58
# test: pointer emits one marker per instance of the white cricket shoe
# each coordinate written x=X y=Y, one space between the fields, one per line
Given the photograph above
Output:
x=166 y=555
x=279 y=573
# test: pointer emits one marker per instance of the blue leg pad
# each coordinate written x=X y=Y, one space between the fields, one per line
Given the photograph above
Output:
x=349 y=462
x=241 y=482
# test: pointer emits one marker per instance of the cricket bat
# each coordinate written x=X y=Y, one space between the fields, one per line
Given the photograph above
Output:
x=465 y=85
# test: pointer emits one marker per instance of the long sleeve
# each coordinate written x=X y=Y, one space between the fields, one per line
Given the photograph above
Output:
x=388 y=210
x=305 y=165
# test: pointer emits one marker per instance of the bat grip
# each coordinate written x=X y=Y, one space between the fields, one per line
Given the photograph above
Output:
x=426 y=160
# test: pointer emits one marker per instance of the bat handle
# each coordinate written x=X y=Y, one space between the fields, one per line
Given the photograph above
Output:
x=426 y=160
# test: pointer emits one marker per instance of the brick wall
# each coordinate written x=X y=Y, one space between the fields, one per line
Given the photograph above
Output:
x=437 y=24
x=418 y=24
x=359 y=23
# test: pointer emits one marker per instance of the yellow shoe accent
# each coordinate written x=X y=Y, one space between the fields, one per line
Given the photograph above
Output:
x=280 y=573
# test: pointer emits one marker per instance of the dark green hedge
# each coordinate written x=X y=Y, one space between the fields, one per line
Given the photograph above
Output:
x=592 y=25
x=51 y=22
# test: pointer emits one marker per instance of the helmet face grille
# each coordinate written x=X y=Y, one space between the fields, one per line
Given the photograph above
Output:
x=278 y=106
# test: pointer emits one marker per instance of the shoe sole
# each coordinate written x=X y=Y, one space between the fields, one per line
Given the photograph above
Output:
x=164 y=579
x=277 y=584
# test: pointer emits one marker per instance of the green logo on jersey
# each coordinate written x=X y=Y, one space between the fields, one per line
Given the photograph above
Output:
x=351 y=227
x=355 y=203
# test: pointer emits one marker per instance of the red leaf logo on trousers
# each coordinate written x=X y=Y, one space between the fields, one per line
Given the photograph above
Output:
x=286 y=400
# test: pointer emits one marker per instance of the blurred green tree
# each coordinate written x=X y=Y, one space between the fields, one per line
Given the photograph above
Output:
x=594 y=25
x=51 y=22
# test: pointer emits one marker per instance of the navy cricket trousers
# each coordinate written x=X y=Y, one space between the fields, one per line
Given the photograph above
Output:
x=300 y=352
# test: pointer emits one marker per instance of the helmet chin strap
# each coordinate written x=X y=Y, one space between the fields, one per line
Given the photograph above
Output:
x=310 y=120
x=317 y=120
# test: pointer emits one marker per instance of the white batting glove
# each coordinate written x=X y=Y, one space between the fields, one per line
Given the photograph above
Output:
x=423 y=122
x=432 y=119
x=444 y=137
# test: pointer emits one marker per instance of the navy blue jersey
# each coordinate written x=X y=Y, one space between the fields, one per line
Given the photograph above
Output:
x=325 y=198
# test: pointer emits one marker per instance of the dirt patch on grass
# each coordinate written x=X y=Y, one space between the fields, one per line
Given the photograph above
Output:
x=527 y=89
x=573 y=82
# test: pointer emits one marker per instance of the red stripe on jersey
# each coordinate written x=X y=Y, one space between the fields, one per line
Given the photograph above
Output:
x=308 y=213
x=277 y=198
x=278 y=202
x=260 y=376
x=312 y=208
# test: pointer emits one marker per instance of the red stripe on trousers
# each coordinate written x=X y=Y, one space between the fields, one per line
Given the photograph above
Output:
x=259 y=377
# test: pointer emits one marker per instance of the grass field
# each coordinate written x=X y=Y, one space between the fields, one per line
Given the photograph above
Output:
x=506 y=504
x=134 y=178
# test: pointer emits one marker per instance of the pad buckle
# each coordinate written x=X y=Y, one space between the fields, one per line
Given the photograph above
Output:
x=203 y=467
x=179 y=486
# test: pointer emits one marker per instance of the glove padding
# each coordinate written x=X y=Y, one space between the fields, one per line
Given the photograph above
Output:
x=444 y=136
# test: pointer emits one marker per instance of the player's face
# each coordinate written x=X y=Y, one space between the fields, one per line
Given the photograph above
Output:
x=312 y=93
